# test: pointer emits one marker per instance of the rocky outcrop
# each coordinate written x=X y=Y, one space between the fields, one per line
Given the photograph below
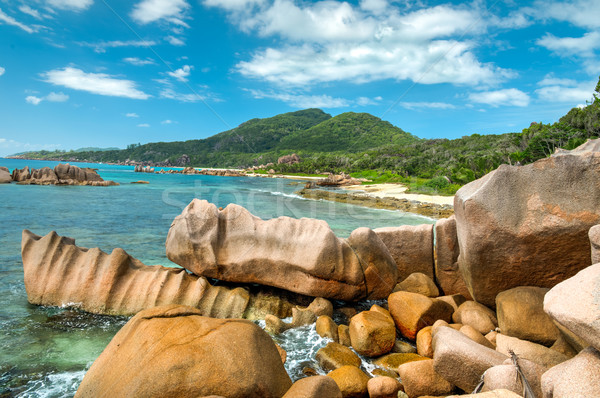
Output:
x=302 y=256
x=447 y=273
x=21 y=175
x=5 y=177
x=143 y=169
x=289 y=159
x=63 y=174
x=338 y=180
x=59 y=273
x=575 y=304
x=528 y=225
x=412 y=312
x=174 y=351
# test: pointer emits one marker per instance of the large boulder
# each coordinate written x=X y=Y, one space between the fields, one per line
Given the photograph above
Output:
x=594 y=236
x=537 y=353
x=575 y=304
x=419 y=378
x=335 y=355
x=506 y=377
x=521 y=314
x=411 y=247
x=72 y=175
x=20 y=175
x=418 y=282
x=59 y=273
x=577 y=377
x=314 y=387
x=43 y=176
x=527 y=225
x=173 y=351
x=303 y=256
x=352 y=381
x=451 y=347
x=5 y=176
x=412 y=312
x=447 y=274
x=476 y=315
x=372 y=333
x=383 y=387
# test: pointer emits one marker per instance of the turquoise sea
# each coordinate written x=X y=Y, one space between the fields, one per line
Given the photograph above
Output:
x=45 y=351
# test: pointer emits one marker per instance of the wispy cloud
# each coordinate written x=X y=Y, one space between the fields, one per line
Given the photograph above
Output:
x=132 y=115
x=148 y=11
x=306 y=101
x=175 y=41
x=182 y=73
x=95 y=83
x=505 y=97
x=169 y=93
x=72 y=5
x=138 y=61
x=7 y=19
x=102 y=46
x=52 y=97
x=565 y=90
x=564 y=46
x=25 y=9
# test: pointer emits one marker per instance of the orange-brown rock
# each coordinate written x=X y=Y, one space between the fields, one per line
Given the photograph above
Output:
x=419 y=378
x=476 y=336
x=57 y=272
x=411 y=247
x=534 y=352
x=447 y=274
x=335 y=355
x=476 y=315
x=424 y=342
x=173 y=351
x=383 y=387
x=352 y=381
x=412 y=312
x=344 y=335
x=372 y=333
x=418 y=282
x=525 y=226
x=303 y=256
x=314 y=387
x=392 y=361
x=327 y=328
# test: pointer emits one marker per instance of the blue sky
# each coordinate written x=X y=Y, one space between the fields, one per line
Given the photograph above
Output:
x=102 y=73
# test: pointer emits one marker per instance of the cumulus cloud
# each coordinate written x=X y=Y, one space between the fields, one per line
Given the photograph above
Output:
x=426 y=105
x=73 y=5
x=95 y=83
x=505 y=97
x=182 y=73
x=139 y=62
x=565 y=90
x=583 y=46
x=102 y=46
x=132 y=115
x=32 y=99
x=327 y=41
x=7 y=19
x=148 y=11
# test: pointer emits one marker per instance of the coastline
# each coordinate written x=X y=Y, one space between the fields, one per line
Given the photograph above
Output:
x=398 y=191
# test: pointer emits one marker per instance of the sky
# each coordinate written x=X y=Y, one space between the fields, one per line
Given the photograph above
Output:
x=108 y=73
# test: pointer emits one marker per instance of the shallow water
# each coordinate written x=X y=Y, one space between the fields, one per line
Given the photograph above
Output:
x=45 y=351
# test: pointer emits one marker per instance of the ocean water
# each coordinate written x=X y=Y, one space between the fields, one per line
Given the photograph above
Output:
x=45 y=351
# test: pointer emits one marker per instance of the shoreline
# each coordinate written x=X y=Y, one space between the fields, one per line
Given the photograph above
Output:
x=398 y=191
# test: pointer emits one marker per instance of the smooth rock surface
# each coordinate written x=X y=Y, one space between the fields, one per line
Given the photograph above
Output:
x=447 y=273
x=537 y=353
x=5 y=176
x=505 y=377
x=594 y=235
x=519 y=215
x=417 y=282
x=419 y=378
x=425 y=342
x=335 y=355
x=372 y=333
x=173 y=351
x=578 y=377
x=411 y=247
x=480 y=317
x=351 y=381
x=314 y=387
x=575 y=304
x=303 y=256
x=327 y=328
x=520 y=312
x=412 y=312
x=489 y=394
x=383 y=387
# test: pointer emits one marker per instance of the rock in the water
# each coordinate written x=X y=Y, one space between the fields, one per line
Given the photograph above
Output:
x=575 y=304
x=5 y=176
x=521 y=314
x=173 y=351
x=43 y=176
x=327 y=328
x=447 y=274
x=505 y=377
x=21 y=175
x=314 y=387
x=302 y=256
x=418 y=282
x=451 y=348
x=578 y=377
x=411 y=247
x=419 y=378
x=383 y=387
x=527 y=215
x=344 y=335
x=594 y=236
x=335 y=355
x=537 y=353
x=372 y=333
x=352 y=381
x=412 y=312
x=476 y=315
x=73 y=175
x=57 y=272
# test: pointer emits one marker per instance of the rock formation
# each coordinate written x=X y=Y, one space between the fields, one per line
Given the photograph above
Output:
x=173 y=351
x=289 y=159
x=528 y=225
x=59 y=273
x=302 y=256
x=63 y=174
x=5 y=177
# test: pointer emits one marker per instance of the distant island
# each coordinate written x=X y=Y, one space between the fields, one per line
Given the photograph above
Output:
x=359 y=144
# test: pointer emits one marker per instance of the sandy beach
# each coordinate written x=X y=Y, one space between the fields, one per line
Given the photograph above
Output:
x=398 y=191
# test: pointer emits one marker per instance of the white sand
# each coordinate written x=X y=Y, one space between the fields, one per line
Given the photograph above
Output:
x=398 y=191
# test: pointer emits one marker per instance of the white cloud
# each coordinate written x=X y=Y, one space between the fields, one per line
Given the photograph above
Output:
x=172 y=11
x=25 y=9
x=505 y=97
x=364 y=101
x=303 y=101
x=139 y=62
x=169 y=93
x=233 y=5
x=581 y=13
x=2 y=70
x=132 y=115
x=32 y=99
x=565 y=90
x=374 y=6
x=426 y=105
x=7 y=19
x=182 y=73
x=102 y=46
x=73 y=5
x=57 y=97
x=168 y=121
x=95 y=83
x=583 y=46
x=143 y=125
x=175 y=41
